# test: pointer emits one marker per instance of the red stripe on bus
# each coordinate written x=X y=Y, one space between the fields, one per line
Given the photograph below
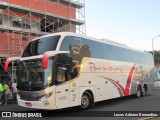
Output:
x=126 y=90
x=128 y=84
x=116 y=82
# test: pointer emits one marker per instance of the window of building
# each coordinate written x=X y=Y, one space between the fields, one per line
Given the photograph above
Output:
x=0 y=22
x=17 y=24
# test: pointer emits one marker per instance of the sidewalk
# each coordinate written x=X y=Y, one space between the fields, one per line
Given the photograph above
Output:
x=157 y=84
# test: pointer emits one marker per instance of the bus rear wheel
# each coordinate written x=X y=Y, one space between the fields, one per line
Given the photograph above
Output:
x=139 y=92
x=144 y=90
x=86 y=100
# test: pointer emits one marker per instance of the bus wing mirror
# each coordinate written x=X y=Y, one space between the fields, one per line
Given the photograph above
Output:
x=45 y=60
x=61 y=74
x=11 y=59
x=6 y=65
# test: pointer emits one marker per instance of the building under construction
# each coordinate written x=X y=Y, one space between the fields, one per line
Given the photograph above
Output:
x=23 y=20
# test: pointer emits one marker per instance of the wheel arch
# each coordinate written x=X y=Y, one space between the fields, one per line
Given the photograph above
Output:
x=139 y=85
x=90 y=90
x=91 y=93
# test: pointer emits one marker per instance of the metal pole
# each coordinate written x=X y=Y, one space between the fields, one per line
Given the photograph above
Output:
x=153 y=46
x=153 y=50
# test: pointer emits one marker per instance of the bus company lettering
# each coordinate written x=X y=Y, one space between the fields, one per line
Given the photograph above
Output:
x=108 y=68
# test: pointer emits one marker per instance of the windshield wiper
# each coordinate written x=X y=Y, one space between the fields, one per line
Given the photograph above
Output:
x=32 y=86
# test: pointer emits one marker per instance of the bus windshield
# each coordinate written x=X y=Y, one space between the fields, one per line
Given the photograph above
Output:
x=40 y=46
x=32 y=77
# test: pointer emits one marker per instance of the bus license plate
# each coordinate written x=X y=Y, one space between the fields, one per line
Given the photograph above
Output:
x=28 y=104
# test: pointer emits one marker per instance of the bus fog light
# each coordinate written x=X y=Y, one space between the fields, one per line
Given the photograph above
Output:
x=46 y=103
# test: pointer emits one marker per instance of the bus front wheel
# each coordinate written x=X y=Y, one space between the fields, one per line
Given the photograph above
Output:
x=86 y=100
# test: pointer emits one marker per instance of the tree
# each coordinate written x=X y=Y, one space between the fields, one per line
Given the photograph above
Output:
x=157 y=58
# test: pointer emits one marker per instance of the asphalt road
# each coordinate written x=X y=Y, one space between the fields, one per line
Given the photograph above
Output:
x=149 y=103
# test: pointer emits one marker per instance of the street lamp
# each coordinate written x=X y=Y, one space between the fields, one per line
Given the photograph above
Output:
x=153 y=45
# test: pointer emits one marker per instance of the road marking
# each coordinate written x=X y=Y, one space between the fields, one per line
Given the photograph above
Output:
x=148 y=118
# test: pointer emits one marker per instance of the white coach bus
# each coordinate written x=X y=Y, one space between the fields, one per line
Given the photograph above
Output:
x=65 y=69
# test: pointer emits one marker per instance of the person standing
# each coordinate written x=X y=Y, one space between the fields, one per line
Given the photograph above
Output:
x=1 y=90
x=14 y=89
x=6 y=92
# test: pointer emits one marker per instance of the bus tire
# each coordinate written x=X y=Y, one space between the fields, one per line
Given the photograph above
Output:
x=144 y=90
x=86 y=100
x=139 y=92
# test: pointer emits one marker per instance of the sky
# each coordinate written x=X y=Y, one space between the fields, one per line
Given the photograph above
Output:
x=132 y=22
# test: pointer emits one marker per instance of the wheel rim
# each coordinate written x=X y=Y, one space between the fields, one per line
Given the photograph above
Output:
x=85 y=101
x=138 y=93
x=144 y=91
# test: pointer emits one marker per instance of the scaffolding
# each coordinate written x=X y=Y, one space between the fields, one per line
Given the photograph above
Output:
x=23 y=20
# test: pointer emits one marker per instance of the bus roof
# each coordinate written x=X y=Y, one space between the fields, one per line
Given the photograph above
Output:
x=110 y=42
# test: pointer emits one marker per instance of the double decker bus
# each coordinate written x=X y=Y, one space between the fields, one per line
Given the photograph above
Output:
x=66 y=69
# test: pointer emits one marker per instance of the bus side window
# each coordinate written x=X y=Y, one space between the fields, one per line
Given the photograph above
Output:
x=73 y=72
x=64 y=61
x=61 y=67
x=61 y=74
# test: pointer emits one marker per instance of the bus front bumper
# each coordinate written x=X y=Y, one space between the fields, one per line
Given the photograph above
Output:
x=47 y=104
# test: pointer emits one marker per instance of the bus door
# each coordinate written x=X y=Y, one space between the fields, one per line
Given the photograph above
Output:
x=75 y=82
x=62 y=95
x=77 y=52
x=62 y=86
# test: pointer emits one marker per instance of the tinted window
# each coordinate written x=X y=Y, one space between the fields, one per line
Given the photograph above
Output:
x=122 y=54
x=31 y=75
x=107 y=51
x=70 y=41
x=96 y=48
x=40 y=46
x=47 y=44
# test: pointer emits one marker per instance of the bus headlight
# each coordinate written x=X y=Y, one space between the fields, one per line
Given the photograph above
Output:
x=18 y=96
x=45 y=97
